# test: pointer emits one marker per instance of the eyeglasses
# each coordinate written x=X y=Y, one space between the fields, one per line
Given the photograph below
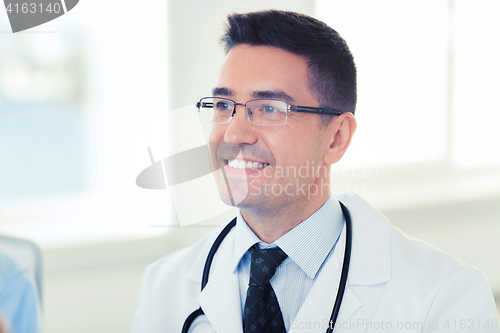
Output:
x=262 y=112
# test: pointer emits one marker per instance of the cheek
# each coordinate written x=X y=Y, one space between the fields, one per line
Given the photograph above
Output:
x=288 y=153
x=298 y=150
x=216 y=133
x=214 y=140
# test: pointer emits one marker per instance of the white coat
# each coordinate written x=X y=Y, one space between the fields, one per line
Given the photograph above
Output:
x=395 y=283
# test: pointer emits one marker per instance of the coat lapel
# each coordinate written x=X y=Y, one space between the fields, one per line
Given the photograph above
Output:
x=315 y=313
x=370 y=257
x=220 y=300
x=370 y=265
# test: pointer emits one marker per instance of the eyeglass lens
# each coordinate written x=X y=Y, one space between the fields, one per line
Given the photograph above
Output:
x=263 y=112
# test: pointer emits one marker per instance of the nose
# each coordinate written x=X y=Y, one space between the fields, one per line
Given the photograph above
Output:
x=239 y=130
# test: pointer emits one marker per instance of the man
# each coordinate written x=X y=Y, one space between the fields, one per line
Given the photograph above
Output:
x=282 y=113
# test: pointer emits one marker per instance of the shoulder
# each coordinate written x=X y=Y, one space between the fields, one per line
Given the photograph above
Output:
x=449 y=288
x=408 y=255
x=419 y=261
x=170 y=286
x=416 y=273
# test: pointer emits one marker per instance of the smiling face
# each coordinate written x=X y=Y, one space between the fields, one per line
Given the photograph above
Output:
x=273 y=167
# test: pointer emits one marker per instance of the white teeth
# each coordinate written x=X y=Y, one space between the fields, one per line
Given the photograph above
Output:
x=241 y=164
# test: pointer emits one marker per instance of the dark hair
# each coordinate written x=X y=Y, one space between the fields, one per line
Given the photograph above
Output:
x=332 y=72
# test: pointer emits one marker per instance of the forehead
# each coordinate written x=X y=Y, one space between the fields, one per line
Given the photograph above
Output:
x=248 y=69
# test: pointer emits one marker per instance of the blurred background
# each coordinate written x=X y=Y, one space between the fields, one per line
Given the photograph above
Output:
x=72 y=91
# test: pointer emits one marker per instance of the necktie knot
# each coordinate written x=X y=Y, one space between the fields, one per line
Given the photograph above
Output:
x=264 y=264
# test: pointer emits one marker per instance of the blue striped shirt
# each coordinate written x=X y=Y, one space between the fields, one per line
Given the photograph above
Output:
x=308 y=245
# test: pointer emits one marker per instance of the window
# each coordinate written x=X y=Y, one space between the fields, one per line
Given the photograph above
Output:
x=427 y=113
x=71 y=91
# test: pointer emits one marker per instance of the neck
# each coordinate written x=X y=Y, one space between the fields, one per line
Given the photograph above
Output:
x=271 y=225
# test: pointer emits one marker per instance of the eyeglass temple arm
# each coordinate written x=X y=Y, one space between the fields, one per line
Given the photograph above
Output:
x=308 y=109
x=311 y=109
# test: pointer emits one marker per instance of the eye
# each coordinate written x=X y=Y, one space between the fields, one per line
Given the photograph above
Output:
x=269 y=109
x=223 y=106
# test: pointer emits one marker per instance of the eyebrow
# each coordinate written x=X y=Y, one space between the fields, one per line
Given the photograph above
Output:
x=273 y=94
x=222 y=91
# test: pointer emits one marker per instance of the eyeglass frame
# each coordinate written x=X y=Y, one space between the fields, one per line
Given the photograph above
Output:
x=289 y=108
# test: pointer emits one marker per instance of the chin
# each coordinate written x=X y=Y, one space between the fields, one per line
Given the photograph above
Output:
x=237 y=196
x=235 y=191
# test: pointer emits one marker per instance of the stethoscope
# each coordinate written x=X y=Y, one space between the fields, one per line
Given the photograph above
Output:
x=343 y=278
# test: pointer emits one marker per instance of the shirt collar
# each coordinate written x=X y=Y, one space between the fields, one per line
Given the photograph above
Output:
x=308 y=244
x=244 y=239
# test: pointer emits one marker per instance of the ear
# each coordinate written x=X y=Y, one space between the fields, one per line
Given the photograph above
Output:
x=341 y=131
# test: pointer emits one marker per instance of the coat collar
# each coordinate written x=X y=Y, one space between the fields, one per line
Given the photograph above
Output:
x=371 y=243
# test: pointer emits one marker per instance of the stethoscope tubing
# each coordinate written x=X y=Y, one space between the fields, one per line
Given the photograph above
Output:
x=343 y=278
x=345 y=268
x=206 y=271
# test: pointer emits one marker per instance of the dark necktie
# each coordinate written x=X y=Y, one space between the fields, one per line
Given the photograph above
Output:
x=262 y=312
